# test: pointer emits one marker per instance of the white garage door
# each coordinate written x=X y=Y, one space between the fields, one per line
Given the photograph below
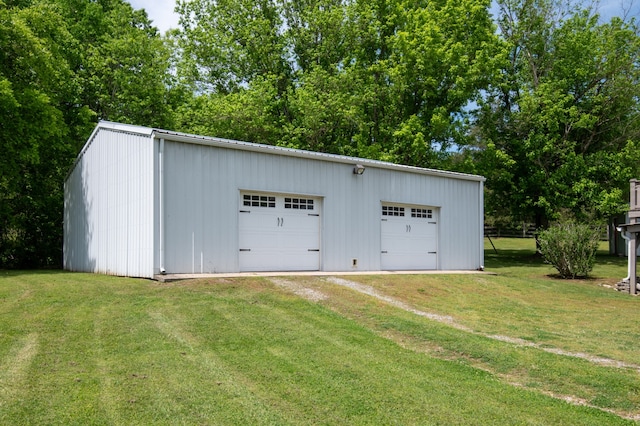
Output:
x=409 y=237
x=279 y=232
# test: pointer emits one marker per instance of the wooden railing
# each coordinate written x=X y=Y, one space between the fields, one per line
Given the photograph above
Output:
x=512 y=231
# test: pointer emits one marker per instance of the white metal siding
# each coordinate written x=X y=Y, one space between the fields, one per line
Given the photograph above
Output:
x=119 y=206
x=203 y=186
x=108 y=226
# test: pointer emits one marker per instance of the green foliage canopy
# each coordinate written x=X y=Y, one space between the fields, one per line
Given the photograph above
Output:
x=63 y=65
x=558 y=132
x=381 y=79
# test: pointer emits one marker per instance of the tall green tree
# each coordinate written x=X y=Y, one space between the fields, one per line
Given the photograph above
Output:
x=34 y=79
x=63 y=65
x=558 y=133
x=124 y=63
x=384 y=79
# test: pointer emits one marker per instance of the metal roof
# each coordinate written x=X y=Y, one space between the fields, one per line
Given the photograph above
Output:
x=271 y=149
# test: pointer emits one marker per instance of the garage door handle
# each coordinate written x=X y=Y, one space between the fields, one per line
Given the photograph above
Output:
x=245 y=249
x=433 y=252
x=245 y=211
x=384 y=251
x=313 y=249
x=313 y=214
x=433 y=223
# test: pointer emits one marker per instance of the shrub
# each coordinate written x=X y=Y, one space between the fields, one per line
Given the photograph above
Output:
x=570 y=247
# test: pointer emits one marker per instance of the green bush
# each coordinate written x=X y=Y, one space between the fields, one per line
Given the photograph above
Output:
x=570 y=247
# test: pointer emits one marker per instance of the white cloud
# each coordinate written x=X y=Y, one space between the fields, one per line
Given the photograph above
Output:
x=161 y=12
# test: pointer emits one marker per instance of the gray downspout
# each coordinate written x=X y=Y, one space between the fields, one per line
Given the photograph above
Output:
x=161 y=204
x=481 y=215
x=629 y=250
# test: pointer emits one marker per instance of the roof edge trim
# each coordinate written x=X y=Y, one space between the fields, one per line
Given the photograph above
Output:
x=263 y=148
x=291 y=152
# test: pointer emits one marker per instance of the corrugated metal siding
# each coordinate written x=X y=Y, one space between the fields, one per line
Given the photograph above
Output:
x=203 y=183
x=109 y=199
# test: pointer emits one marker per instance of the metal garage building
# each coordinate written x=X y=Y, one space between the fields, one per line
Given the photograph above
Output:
x=140 y=201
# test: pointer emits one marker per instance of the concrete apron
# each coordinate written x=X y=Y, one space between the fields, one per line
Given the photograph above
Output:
x=177 y=277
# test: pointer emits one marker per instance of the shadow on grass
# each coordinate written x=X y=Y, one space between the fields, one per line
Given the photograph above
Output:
x=508 y=258
x=512 y=258
x=610 y=259
x=6 y=273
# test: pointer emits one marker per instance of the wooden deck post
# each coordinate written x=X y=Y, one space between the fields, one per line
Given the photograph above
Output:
x=633 y=262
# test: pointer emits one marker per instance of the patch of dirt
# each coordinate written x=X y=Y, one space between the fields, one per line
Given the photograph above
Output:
x=299 y=290
x=370 y=291
x=583 y=402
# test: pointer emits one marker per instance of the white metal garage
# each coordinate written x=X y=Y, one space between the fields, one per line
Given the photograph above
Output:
x=279 y=232
x=409 y=237
x=142 y=201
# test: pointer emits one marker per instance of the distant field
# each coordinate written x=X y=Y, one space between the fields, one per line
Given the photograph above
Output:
x=515 y=348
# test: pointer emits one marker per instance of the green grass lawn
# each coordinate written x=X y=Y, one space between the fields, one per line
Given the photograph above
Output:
x=88 y=349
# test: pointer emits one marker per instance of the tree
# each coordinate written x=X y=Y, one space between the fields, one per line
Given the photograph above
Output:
x=558 y=132
x=63 y=65
x=386 y=79
x=124 y=64
x=34 y=76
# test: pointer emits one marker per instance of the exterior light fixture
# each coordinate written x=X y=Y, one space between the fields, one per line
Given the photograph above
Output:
x=358 y=169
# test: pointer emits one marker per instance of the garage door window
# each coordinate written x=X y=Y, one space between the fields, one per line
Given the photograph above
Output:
x=392 y=211
x=258 y=201
x=298 y=203
x=422 y=213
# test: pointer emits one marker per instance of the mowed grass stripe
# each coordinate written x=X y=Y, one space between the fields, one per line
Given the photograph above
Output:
x=448 y=320
x=607 y=387
x=124 y=351
x=233 y=390
x=14 y=368
x=345 y=362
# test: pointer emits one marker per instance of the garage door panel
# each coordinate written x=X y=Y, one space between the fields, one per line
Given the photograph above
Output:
x=409 y=237
x=282 y=236
x=403 y=261
x=268 y=260
x=257 y=229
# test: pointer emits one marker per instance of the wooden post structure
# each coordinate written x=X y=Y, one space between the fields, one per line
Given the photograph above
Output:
x=633 y=229
x=633 y=262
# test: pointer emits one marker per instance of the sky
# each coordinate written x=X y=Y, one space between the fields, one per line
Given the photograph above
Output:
x=161 y=12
